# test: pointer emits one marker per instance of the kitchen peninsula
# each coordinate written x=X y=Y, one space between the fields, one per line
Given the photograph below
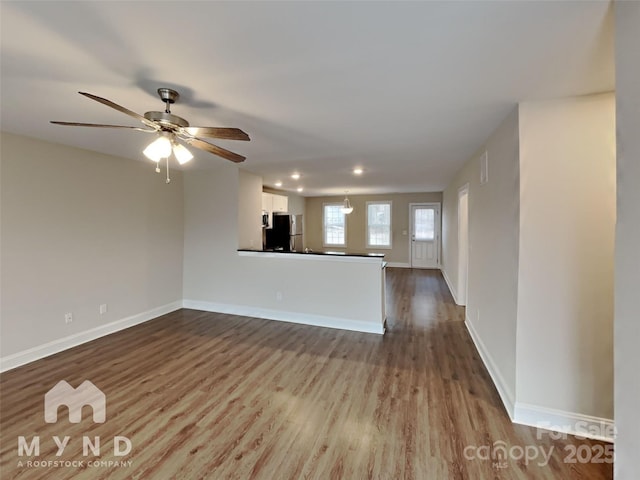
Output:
x=329 y=289
x=322 y=288
x=312 y=252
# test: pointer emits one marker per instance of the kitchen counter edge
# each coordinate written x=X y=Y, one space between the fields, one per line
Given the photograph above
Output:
x=347 y=257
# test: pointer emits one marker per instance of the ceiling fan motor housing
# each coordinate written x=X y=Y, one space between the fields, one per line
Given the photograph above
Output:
x=165 y=119
x=168 y=95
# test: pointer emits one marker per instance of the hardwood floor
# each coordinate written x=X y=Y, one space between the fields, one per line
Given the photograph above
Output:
x=202 y=395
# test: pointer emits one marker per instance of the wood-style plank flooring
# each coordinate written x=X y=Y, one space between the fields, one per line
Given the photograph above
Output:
x=203 y=395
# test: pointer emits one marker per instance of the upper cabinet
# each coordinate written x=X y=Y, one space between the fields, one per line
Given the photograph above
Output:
x=267 y=202
x=274 y=203
x=280 y=203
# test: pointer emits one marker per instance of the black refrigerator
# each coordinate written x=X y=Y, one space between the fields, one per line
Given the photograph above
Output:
x=285 y=234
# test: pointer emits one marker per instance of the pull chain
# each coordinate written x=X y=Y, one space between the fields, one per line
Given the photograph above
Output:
x=168 y=179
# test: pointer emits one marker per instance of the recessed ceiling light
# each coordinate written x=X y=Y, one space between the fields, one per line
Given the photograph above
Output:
x=357 y=171
x=278 y=184
x=295 y=176
x=300 y=189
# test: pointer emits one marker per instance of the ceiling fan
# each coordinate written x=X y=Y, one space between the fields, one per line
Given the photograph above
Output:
x=170 y=129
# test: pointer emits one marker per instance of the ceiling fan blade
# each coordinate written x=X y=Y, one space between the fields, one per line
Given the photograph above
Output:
x=221 y=152
x=120 y=108
x=215 y=132
x=76 y=124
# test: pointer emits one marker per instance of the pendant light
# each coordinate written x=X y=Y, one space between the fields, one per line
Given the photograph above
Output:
x=346 y=205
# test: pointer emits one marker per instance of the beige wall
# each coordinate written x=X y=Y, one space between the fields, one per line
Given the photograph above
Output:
x=311 y=290
x=356 y=222
x=493 y=252
x=80 y=229
x=566 y=255
x=249 y=210
x=541 y=235
x=627 y=277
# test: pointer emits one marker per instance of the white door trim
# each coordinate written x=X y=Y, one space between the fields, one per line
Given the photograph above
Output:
x=463 y=245
x=438 y=208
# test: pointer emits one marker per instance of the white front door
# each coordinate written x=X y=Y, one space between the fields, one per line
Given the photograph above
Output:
x=425 y=235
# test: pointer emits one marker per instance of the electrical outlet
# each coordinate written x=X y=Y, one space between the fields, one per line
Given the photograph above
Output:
x=279 y=296
x=68 y=317
x=103 y=309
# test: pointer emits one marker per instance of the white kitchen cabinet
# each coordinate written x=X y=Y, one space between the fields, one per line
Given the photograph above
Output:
x=280 y=203
x=274 y=203
x=267 y=202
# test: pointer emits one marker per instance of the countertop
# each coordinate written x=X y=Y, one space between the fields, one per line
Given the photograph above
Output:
x=327 y=253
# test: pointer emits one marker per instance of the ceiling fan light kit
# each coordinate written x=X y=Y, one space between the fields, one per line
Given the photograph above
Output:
x=158 y=149
x=171 y=129
x=182 y=154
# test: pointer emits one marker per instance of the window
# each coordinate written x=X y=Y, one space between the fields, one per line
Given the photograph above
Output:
x=424 y=223
x=333 y=225
x=378 y=224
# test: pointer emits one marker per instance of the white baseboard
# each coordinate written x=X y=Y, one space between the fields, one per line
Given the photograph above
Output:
x=398 y=265
x=27 y=356
x=584 y=426
x=283 y=316
x=543 y=418
x=506 y=395
x=450 y=285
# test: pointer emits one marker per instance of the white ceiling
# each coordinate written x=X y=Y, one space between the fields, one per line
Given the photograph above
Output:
x=406 y=90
